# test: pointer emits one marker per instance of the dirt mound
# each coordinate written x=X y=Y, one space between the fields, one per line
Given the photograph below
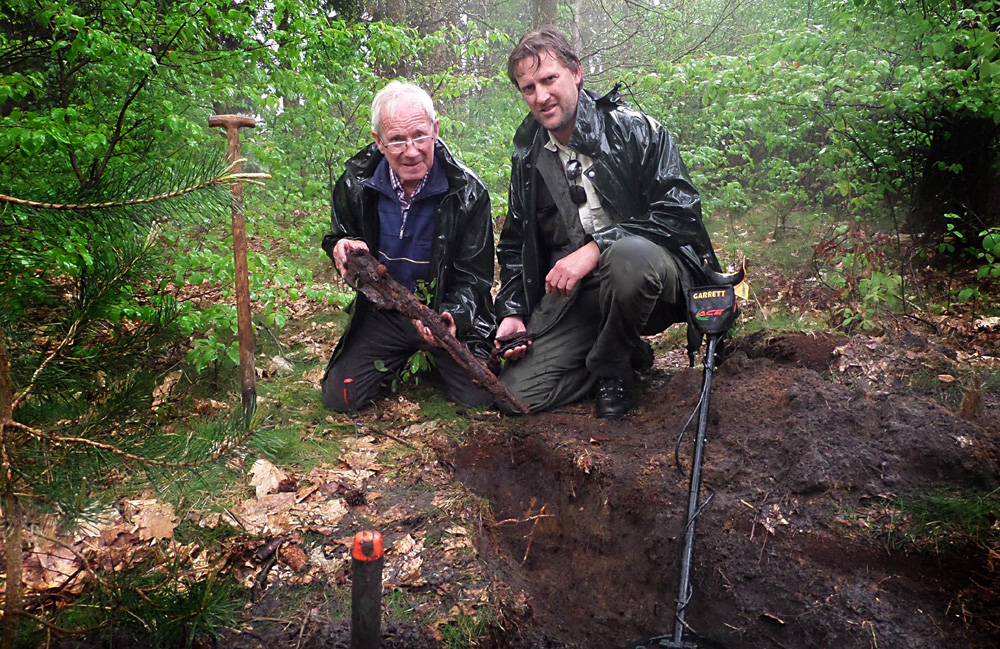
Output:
x=588 y=514
x=814 y=351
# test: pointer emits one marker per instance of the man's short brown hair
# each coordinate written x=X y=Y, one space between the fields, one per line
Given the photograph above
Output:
x=534 y=45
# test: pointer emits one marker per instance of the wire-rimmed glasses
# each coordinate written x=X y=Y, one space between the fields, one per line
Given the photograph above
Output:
x=398 y=146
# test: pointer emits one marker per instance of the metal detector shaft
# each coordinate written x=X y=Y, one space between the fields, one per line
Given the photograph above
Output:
x=683 y=589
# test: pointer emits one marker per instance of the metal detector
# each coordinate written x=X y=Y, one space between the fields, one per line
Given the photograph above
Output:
x=712 y=310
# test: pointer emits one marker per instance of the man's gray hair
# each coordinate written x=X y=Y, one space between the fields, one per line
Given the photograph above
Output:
x=396 y=93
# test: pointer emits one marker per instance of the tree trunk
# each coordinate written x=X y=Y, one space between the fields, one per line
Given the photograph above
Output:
x=574 y=36
x=13 y=525
x=13 y=539
x=394 y=11
x=544 y=13
x=971 y=192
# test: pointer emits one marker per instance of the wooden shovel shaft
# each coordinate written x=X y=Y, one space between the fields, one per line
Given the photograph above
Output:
x=248 y=376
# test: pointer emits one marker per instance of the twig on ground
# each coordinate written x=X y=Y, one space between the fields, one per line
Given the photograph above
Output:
x=376 y=431
x=763 y=545
x=309 y=614
x=871 y=627
x=512 y=521
x=281 y=348
x=269 y=553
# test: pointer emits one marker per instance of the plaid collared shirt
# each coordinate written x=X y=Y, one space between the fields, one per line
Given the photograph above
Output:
x=405 y=203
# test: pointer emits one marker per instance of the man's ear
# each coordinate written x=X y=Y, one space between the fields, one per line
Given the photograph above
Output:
x=378 y=140
x=437 y=129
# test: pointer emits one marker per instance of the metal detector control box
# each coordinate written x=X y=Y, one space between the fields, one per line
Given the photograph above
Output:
x=712 y=309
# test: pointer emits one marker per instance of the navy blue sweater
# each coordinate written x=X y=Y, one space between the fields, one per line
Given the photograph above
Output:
x=405 y=248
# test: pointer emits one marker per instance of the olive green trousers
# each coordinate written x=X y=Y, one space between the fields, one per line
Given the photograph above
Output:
x=635 y=291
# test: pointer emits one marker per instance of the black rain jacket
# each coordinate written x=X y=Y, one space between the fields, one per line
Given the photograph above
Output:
x=462 y=252
x=643 y=186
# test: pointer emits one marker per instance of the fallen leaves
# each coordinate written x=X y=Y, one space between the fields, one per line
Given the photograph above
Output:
x=402 y=563
x=309 y=518
x=362 y=460
x=882 y=363
x=276 y=366
x=457 y=540
x=987 y=324
x=109 y=539
x=58 y=563
x=163 y=391
x=294 y=557
x=276 y=514
x=772 y=518
x=265 y=477
x=152 y=520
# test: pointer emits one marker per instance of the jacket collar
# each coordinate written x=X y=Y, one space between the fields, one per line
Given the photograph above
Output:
x=588 y=133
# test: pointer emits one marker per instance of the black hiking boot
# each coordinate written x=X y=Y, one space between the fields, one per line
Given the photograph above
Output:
x=614 y=398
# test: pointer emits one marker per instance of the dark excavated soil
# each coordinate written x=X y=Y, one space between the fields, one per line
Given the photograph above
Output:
x=799 y=548
x=782 y=559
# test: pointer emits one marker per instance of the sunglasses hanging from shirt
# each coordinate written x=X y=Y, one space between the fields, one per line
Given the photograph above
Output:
x=574 y=170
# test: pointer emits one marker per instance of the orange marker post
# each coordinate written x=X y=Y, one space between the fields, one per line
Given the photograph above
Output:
x=366 y=590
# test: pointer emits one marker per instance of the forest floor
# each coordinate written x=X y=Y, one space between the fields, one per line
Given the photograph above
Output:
x=854 y=483
x=561 y=530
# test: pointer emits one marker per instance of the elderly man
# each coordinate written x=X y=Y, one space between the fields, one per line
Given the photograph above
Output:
x=603 y=232
x=426 y=217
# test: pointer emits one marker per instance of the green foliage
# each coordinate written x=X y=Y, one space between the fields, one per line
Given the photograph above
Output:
x=89 y=88
x=164 y=609
x=479 y=127
x=952 y=521
x=467 y=630
x=417 y=365
x=424 y=291
x=287 y=445
x=859 y=266
x=284 y=262
x=849 y=113
x=982 y=251
x=989 y=254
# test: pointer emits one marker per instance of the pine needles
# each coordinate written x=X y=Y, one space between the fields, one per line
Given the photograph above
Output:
x=85 y=331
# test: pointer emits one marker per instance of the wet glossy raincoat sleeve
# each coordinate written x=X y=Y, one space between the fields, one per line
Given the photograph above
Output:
x=668 y=209
x=345 y=214
x=467 y=293
x=511 y=299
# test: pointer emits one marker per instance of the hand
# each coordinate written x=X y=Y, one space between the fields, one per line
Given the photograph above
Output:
x=343 y=248
x=425 y=331
x=511 y=326
x=569 y=270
